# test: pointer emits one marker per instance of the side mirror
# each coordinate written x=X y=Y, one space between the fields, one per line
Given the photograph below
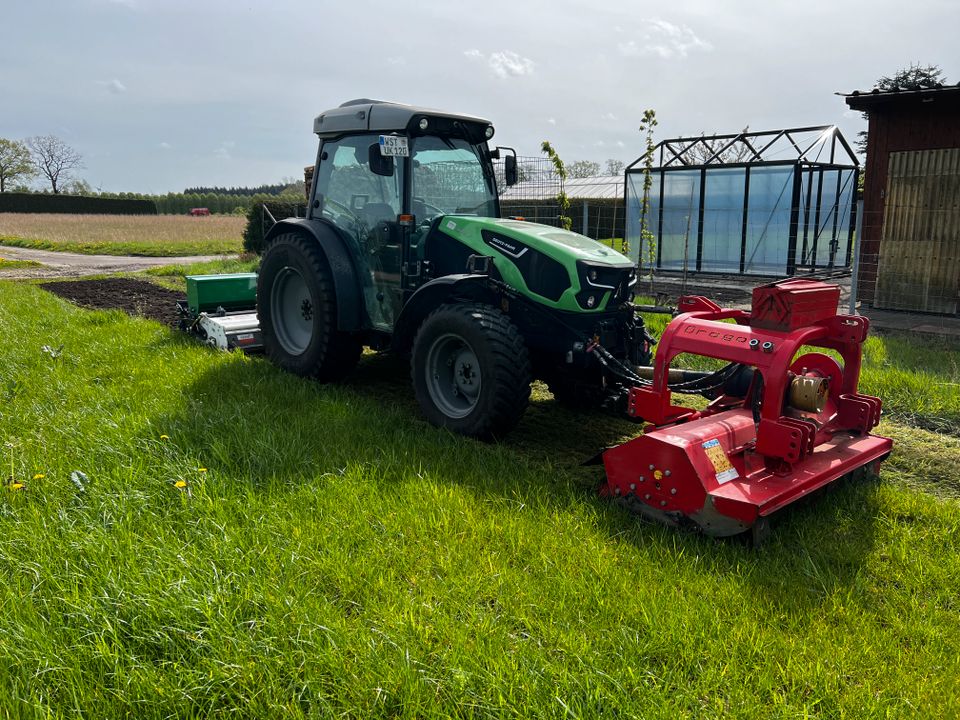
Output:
x=510 y=170
x=380 y=164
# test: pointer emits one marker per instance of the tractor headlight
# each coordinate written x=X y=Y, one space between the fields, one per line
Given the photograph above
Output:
x=592 y=274
x=488 y=132
x=424 y=123
x=591 y=301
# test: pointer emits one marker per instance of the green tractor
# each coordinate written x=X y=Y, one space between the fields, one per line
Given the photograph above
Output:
x=404 y=249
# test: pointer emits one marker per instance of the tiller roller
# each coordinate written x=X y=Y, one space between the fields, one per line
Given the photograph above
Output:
x=783 y=420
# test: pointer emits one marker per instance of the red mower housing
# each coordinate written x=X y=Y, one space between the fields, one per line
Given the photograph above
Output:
x=801 y=425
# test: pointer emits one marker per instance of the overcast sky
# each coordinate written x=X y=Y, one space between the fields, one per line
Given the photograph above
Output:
x=158 y=95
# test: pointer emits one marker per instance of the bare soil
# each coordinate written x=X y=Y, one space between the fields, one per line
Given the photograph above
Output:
x=135 y=297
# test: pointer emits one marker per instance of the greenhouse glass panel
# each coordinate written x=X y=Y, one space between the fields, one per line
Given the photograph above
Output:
x=723 y=220
x=768 y=220
x=678 y=234
x=633 y=207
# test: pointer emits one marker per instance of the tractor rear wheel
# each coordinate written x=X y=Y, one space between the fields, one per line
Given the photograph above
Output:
x=471 y=370
x=297 y=307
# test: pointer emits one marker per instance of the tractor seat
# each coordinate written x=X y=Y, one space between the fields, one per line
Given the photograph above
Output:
x=373 y=213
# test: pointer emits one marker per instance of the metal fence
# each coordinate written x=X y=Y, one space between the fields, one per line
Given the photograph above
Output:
x=595 y=204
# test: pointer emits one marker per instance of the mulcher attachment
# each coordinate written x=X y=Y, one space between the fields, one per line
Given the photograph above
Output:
x=791 y=423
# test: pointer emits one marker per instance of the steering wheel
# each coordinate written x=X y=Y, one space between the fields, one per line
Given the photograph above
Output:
x=343 y=209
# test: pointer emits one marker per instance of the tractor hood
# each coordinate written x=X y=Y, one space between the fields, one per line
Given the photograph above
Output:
x=557 y=243
x=554 y=267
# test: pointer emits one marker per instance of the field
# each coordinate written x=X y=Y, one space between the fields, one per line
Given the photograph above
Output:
x=190 y=533
x=151 y=235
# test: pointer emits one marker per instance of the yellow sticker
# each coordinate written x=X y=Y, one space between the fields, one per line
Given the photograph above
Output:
x=724 y=470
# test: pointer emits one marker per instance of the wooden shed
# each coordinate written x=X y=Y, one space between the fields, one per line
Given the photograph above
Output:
x=910 y=245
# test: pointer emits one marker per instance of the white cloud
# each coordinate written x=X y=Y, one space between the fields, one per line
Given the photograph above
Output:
x=664 y=40
x=552 y=121
x=397 y=60
x=166 y=146
x=510 y=63
x=504 y=64
x=223 y=152
x=114 y=86
x=621 y=144
x=608 y=116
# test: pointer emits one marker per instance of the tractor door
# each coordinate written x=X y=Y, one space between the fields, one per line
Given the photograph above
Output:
x=365 y=205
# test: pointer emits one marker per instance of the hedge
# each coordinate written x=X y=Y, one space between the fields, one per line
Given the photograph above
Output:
x=74 y=204
x=259 y=221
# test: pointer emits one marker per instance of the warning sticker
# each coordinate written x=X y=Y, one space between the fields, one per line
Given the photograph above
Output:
x=721 y=463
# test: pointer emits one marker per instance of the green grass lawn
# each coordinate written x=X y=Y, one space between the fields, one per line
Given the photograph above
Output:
x=243 y=541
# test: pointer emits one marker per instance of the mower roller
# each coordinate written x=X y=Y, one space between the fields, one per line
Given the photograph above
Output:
x=784 y=420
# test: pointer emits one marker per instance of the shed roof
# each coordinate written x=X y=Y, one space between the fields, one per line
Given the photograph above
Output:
x=875 y=99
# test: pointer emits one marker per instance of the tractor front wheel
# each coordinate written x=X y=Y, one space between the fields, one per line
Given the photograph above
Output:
x=471 y=370
x=297 y=308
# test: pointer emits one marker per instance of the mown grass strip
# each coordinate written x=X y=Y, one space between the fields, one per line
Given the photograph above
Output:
x=338 y=556
x=6 y=264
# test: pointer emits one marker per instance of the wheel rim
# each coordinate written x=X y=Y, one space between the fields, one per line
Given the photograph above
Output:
x=292 y=310
x=453 y=376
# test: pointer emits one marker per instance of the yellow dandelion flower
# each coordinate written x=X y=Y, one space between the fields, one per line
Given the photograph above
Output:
x=39 y=476
x=180 y=484
x=16 y=486
x=164 y=437
x=201 y=470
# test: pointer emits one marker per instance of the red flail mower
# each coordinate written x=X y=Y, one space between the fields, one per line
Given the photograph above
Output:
x=783 y=420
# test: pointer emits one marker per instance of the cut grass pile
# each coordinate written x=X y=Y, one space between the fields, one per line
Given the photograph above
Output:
x=149 y=235
x=243 y=540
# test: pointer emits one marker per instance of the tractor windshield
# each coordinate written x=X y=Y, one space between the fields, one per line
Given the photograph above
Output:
x=449 y=177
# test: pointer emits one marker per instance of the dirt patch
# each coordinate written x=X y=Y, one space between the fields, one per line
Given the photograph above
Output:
x=135 y=297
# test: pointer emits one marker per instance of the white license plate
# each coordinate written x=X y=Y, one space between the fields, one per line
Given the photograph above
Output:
x=394 y=146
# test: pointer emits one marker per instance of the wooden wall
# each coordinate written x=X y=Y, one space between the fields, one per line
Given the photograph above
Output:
x=894 y=129
x=919 y=259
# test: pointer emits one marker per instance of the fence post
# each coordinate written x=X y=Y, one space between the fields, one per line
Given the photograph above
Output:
x=855 y=270
x=586 y=219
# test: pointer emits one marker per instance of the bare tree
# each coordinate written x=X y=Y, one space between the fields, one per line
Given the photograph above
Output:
x=15 y=163
x=583 y=169
x=615 y=167
x=55 y=160
x=707 y=147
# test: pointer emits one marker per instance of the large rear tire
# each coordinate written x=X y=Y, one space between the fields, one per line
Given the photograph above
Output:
x=471 y=370
x=297 y=308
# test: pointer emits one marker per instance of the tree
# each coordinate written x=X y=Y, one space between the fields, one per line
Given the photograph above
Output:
x=915 y=77
x=15 y=163
x=648 y=241
x=562 y=200
x=55 y=160
x=583 y=169
x=704 y=148
x=615 y=167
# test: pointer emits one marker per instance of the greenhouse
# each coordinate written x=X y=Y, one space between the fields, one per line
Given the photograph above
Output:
x=772 y=203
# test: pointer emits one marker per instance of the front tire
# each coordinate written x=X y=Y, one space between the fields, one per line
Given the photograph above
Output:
x=471 y=370
x=297 y=309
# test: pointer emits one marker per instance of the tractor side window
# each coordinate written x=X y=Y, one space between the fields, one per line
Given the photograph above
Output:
x=365 y=206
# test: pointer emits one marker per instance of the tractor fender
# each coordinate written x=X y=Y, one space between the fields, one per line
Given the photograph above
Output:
x=351 y=313
x=428 y=297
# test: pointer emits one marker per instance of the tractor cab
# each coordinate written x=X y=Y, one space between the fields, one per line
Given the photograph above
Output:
x=385 y=174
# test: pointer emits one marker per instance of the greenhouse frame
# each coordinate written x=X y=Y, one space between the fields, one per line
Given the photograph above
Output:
x=773 y=203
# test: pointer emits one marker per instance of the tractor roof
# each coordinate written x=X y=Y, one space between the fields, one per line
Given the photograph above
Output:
x=364 y=115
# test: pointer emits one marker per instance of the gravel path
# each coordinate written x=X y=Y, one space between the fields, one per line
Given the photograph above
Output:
x=65 y=265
